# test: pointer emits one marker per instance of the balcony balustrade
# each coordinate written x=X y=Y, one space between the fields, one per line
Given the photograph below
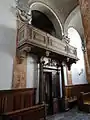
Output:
x=27 y=34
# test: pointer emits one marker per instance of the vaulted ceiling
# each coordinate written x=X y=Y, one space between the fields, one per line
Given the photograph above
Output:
x=68 y=12
x=61 y=7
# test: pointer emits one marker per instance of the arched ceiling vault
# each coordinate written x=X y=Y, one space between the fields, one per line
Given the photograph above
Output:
x=74 y=20
x=61 y=7
x=49 y=12
x=67 y=11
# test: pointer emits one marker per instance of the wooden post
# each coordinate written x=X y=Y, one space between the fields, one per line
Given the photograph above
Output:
x=41 y=84
x=63 y=82
x=58 y=83
x=63 y=89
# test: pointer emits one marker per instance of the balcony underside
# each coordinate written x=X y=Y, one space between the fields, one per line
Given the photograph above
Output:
x=40 y=51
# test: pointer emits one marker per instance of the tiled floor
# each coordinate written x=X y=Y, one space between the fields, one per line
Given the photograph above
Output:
x=73 y=114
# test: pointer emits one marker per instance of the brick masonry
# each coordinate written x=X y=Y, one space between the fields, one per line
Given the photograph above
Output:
x=19 y=73
x=85 y=12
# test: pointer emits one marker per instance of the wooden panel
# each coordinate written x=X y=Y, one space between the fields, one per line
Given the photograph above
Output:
x=39 y=38
x=16 y=99
x=56 y=106
x=84 y=102
x=56 y=45
x=31 y=113
x=74 y=90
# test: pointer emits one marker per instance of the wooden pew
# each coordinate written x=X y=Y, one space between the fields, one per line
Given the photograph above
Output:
x=72 y=93
x=16 y=99
x=84 y=101
x=75 y=90
x=32 y=113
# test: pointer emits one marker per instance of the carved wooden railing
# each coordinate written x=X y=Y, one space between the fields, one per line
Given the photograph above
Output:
x=33 y=36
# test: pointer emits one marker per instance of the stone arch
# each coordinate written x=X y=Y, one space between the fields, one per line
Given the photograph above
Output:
x=74 y=20
x=39 y=6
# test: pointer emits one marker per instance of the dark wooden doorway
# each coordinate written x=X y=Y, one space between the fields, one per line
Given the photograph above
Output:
x=48 y=91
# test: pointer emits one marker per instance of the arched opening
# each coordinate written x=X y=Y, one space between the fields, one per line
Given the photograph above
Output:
x=41 y=21
x=74 y=20
x=55 y=28
x=78 y=69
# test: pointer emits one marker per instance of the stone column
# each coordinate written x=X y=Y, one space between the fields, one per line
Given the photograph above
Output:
x=85 y=12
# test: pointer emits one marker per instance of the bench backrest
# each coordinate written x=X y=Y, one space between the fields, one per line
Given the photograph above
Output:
x=11 y=100
x=86 y=96
x=31 y=113
x=74 y=90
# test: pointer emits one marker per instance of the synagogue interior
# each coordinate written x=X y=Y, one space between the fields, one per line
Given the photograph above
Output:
x=45 y=60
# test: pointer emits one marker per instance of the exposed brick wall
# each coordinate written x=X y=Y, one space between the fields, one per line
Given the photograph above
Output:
x=19 y=73
x=85 y=12
x=69 y=77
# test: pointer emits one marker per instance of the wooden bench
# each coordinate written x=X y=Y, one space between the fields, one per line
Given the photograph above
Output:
x=16 y=99
x=32 y=113
x=84 y=101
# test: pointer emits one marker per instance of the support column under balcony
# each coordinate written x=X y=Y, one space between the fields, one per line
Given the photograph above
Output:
x=63 y=88
x=41 y=82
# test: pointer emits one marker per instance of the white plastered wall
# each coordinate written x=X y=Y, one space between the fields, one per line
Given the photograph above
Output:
x=7 y=43
x=74 y=21
x=32 y=72
x=32 y=80
x=78 y=69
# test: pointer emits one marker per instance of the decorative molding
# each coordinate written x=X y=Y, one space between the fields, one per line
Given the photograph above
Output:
x=47 y=53
x=23 y=14
x=43 y=41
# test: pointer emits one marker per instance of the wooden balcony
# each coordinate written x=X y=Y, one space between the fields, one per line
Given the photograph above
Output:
x=30 y=37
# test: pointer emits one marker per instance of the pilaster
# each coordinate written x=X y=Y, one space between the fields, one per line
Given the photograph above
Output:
x=19 y=73
x=85 y=12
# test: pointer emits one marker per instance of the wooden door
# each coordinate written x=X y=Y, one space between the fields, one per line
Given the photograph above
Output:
x=48 y=91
